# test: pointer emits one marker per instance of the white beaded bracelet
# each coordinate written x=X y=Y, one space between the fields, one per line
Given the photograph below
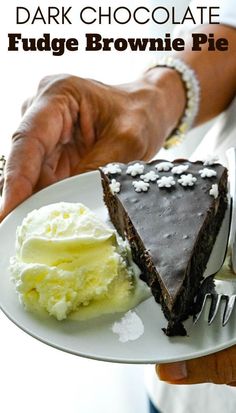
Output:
x=2 y=166
x=192 y=87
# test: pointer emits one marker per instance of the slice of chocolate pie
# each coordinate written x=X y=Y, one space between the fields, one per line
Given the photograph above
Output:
x=170 y=212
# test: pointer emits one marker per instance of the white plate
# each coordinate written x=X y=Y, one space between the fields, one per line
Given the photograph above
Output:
x=94 y=338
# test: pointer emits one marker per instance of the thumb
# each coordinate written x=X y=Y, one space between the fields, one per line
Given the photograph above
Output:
x=21 y=173
x=37 y=135
x=218 y=368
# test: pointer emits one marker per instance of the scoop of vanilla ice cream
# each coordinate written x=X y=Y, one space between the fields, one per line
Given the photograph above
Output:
x=69 y=262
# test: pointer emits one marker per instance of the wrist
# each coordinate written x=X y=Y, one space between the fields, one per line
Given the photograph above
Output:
x=171 y=93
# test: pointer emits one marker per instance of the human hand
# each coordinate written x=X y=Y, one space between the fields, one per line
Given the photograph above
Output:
x=218 y=368
x=74 y=125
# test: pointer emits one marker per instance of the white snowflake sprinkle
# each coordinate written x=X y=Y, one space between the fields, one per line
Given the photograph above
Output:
x=207 y=173
x=187 y=180
x=135 y=169
x=166 y=182
x=140 y=186
x=164 y=166
x=115 y=186
x=112 y=168
x=149 y=176
x=214 y=191
x=178 y=170
x=210 y=159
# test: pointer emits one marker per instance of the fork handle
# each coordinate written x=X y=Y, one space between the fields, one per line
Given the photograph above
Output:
x=231 y=157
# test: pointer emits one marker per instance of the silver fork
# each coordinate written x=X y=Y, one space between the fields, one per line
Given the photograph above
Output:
x=221 y=283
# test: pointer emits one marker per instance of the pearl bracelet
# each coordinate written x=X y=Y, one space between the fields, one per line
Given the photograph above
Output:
x=192 y=88
x=2 y=166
